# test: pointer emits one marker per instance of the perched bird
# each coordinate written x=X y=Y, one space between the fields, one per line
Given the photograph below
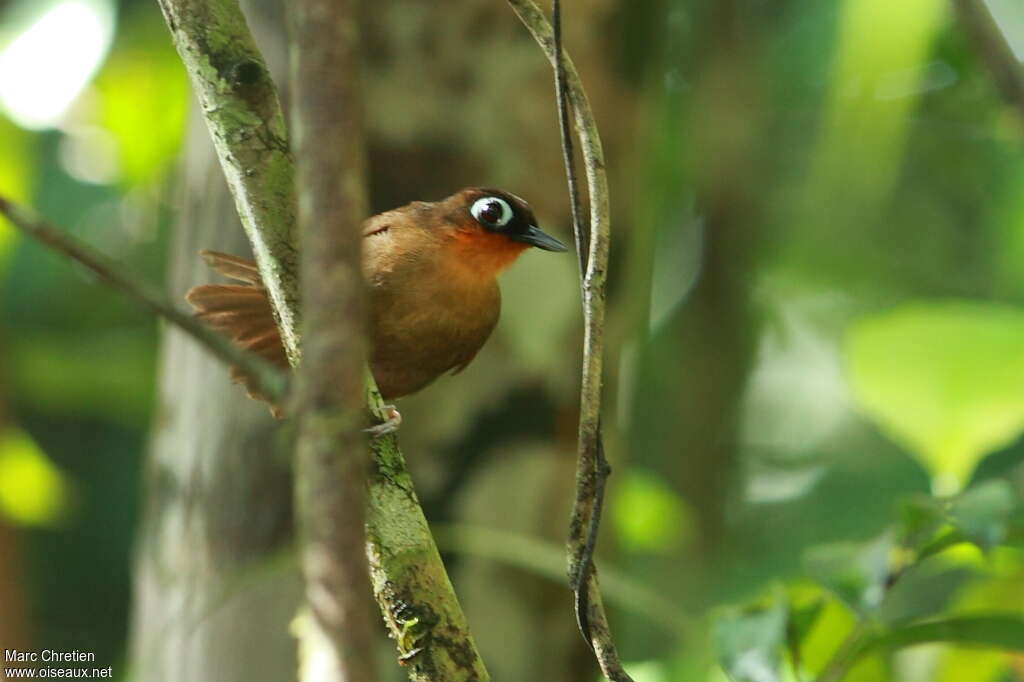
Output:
x=431 y=271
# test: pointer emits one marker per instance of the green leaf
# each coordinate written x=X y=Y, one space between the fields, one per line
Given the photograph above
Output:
x=983 y=516
x=982 y=513
x=1000 y=630
x=924 y=591
x=802 y=619
x=749 y=642
x=940 y=543
x=946 y=380
x=855 y=572
x=920 y=518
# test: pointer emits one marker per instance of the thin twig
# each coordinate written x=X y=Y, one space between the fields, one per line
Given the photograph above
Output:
x=584 y=559
x=332 y=459
x=568 y=153
x=267 y=378
x=991 y=44
x=592 y=468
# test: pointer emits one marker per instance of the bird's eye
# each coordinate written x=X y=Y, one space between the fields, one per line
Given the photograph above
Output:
x=492 y=211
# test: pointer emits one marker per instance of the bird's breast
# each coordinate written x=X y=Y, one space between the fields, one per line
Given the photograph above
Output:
x=428 y=316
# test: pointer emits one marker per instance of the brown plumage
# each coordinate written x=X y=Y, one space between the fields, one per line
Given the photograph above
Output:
x=431 y=271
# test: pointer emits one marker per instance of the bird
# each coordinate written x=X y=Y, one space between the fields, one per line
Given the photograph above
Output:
x=431 y=273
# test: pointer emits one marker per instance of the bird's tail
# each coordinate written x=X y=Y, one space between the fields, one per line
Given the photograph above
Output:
x=241 y=312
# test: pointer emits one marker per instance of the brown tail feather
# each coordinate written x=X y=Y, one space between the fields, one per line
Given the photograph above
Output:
x=233 y=267
x=241 y=312
x=215 y=297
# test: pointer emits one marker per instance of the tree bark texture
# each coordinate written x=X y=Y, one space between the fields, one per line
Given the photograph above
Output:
x=239 y=102
x=332 y=455
x=215 y=584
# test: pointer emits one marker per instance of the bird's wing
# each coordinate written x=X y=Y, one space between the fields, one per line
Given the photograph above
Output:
x=378 y=223
x=241 y=312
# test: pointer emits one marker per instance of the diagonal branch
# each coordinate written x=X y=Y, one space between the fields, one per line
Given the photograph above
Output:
x=265 y=377
x=592 y=467
x=242 y=111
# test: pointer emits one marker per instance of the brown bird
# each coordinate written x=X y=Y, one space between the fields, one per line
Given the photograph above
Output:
x=431 y=271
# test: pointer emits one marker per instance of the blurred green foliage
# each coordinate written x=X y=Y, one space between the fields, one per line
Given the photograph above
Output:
x=819 y=233
x=78 y=364
x=143 y=97
x=16 y=174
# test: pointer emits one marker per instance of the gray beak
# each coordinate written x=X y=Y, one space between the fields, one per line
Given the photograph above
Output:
x=534 y=236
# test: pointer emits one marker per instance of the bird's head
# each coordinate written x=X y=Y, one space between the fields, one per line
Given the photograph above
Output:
x=490 y=228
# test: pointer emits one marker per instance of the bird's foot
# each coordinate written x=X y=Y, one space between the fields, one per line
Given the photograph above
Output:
x=394 y=420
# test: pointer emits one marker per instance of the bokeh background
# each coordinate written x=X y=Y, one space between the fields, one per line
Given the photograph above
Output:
x=815 y=386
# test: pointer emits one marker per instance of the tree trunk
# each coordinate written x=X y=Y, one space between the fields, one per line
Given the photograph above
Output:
x=215 y=581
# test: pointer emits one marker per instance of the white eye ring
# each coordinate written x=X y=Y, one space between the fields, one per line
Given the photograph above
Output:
x=480 y=208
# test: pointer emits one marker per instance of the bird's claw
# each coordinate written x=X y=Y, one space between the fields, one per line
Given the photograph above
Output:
x=394 y=420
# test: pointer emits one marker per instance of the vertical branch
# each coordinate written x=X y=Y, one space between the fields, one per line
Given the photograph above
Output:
x=589 y=496
x=592 y=467
x=568 y=153
x=995 y=51
x=331 y=457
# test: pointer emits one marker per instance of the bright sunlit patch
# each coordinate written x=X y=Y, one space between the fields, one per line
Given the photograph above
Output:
x=649 y=516
x=32 y=491
x=46 y=66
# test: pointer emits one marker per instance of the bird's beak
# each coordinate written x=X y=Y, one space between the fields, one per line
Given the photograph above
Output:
x=534 y=236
